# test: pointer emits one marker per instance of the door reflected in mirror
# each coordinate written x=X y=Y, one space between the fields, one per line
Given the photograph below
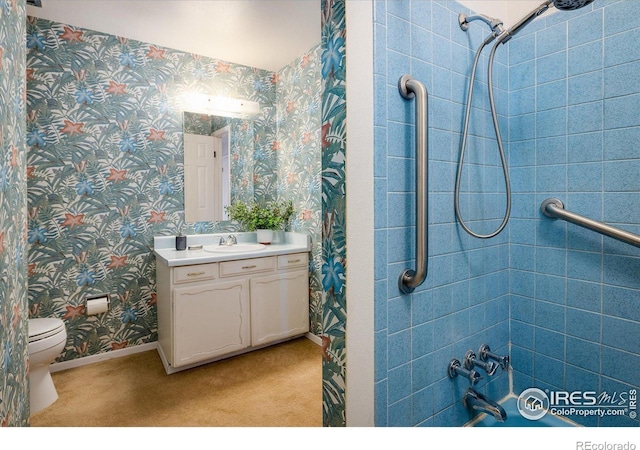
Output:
x=206 y=188
x=217 y=151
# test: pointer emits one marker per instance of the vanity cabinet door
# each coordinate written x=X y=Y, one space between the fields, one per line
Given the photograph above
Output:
x=279 y=306
x=210 y=320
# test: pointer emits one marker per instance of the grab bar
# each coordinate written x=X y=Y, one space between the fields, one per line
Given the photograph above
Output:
x=409 y=88
x=552 y=207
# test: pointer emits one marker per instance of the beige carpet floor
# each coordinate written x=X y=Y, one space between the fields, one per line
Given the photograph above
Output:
x=276 y=386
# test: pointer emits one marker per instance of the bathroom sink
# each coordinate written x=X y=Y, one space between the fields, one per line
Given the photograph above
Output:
x=236 y=248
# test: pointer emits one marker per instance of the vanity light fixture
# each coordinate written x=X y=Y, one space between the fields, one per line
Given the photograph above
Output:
x=221 y=106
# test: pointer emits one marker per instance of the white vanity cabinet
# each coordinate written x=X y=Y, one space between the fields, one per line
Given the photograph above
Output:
x=210 y=311
x=209 y=320
x=280 y=302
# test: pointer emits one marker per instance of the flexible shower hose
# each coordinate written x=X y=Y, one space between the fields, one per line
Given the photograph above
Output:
x=463 y=144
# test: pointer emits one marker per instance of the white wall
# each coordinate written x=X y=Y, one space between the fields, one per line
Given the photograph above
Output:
x=359 y=168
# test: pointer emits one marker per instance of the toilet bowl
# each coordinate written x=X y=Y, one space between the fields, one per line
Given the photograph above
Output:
x=47 y=338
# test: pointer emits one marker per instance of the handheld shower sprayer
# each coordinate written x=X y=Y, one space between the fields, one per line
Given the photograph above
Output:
x=563 y=5
x=500 y=36
x=504 y=35
x=526 y=20
x=570 y=5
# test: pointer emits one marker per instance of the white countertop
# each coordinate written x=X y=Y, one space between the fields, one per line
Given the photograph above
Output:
x=165 y=251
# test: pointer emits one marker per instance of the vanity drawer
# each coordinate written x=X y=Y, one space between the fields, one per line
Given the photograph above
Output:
x=293 y=260
x=243 y=266
x=196 y=272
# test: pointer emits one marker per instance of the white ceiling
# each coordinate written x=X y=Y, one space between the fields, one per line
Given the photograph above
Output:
x=267 y=34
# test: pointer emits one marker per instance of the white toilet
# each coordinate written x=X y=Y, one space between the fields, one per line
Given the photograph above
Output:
x=47 y=338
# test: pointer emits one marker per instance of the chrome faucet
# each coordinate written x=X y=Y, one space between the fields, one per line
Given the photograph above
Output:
x=485 y=354
x=455 y=369
x=475 y=401
x=470 y=361
x=230 y=240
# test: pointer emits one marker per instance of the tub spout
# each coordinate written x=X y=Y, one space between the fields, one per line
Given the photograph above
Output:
x=478 y=402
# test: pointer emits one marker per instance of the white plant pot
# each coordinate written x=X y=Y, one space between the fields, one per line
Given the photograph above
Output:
x=278 y=237
x=264 y=236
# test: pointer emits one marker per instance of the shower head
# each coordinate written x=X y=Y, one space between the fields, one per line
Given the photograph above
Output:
x=564 y=5
x=570 y=5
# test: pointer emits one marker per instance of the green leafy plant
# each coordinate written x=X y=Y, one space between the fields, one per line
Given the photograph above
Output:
x=254 y=216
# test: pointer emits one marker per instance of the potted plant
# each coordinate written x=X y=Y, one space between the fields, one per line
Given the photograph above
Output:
x=264 y=219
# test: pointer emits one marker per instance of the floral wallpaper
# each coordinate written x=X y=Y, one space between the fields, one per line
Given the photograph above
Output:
x=14 y=391
x=334 y=143
x=267 y=135
x=299 y=162
x=104 y=130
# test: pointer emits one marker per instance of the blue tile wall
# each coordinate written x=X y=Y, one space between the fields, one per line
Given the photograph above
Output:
x=564 y=301
x=465 y=299
x=575 y=295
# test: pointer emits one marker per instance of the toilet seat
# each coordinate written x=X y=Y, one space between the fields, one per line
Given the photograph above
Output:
x=43 y=328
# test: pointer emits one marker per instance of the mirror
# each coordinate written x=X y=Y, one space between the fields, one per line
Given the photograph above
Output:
x=273 y=147
x=211 y=143
x=244 y=167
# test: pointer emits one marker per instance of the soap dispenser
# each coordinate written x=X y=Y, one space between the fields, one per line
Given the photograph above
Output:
x=181 y=242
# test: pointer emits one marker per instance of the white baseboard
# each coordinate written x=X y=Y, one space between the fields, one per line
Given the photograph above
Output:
x=64 y=365
x=313 y=338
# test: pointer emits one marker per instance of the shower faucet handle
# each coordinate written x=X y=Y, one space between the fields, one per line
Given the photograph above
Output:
x=455 y=368
x=485 y=354
x=470 y=361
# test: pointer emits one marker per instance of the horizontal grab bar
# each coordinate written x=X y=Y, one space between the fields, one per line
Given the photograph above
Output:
x=552 y=207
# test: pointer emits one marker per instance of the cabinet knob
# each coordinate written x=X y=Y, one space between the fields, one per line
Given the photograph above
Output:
x=249 y=267
x=195 y=274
